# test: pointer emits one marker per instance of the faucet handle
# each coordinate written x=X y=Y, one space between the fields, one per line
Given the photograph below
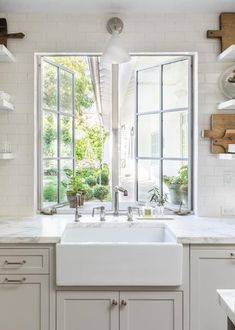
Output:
x=102 y=212
x=130 y=212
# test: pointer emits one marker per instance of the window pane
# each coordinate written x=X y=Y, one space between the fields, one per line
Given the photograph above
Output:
x=49 y=87
x=66 y=136
x=66 y=91
x=148 y=176
x=49 y=134
x=66 y=171
x=175 y=181
x=175 y=134
x=148 y=90
x=148 y=136
x=175 y=85
x=50 y=184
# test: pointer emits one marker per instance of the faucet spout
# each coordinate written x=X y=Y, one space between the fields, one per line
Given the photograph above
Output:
x=116 y=198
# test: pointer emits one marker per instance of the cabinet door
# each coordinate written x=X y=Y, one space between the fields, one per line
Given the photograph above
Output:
x=93 y=310
x=151 y=310
x=210 y=270
x=24 y=302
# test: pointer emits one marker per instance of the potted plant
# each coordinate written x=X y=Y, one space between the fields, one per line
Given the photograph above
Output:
x=101 y=192
x=158 y=198
x=178 y=186
x=75 y=185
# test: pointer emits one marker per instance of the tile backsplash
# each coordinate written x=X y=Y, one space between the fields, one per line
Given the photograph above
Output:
x=215 y=179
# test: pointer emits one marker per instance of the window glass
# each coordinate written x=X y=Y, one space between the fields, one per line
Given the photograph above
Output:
x=175 y=134
x=148 y=176
x=176 y=182
x=175 y=85
x=148 y=90
x=49 y=87
x=148 y=136
x=50 y=182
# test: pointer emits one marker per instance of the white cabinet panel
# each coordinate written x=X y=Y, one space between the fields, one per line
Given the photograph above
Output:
x=151 y=310
x=211 y=269
x=87 y=310
x=24 y=302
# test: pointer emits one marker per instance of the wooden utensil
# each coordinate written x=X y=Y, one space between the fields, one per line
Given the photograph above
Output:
x=226 y=32
x=222 y=132
x=4 y=35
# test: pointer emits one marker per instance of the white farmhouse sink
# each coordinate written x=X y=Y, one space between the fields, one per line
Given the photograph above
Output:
x=118 y=254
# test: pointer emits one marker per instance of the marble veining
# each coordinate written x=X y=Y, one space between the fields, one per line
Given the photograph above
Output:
x=49 y=229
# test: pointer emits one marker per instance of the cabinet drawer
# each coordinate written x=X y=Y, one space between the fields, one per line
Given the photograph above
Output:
x=24 y=261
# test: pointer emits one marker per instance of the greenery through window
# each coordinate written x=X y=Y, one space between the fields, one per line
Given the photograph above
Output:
x=76 y=125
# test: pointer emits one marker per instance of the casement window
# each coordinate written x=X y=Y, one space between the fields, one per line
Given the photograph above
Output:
x=133 y=127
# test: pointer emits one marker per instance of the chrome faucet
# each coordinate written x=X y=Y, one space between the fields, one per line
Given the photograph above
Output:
x=78 y=203
x=116 y=199
x=102 y=212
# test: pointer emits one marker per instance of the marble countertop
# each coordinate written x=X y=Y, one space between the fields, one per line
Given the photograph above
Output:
x=49 y=229
x=227 y=302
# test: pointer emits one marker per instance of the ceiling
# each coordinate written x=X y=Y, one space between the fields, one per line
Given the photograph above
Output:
x=116 y=6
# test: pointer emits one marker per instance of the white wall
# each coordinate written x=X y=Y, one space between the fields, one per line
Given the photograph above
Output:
x=68 y=33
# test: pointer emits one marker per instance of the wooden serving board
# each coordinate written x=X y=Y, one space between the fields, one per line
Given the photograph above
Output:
x=222 y=132
x=226 y=32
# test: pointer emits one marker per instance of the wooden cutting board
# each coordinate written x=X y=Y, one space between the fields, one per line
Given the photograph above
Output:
x=4 y=35
x=222 y=132
x=226 y=32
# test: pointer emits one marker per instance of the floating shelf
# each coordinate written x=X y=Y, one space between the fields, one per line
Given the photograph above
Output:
x=6 y=55
x=227 y=105
x=228 y=55
x=6 y=155
x=5 y=105
x=226 y=156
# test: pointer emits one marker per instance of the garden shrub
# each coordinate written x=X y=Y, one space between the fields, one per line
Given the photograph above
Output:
x=49 y=193
x=101 y=192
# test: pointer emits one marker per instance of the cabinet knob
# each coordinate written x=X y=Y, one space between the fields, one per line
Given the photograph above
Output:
x=232 y=254
x=123 y=303
x=114 y=302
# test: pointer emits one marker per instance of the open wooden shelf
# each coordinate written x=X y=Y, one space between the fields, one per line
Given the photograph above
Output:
x=6 y=55
x=228 y=55
x=5 y=105
x=6 y=155
x=227 y=105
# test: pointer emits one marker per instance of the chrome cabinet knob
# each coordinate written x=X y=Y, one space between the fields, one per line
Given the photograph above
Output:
x=123 y=303
x=114 y=302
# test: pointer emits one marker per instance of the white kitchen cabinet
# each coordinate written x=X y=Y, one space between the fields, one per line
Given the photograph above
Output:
x=24 y=302
x=210 y=269
x=96 y=310
x=87 y=310
x=151 y=310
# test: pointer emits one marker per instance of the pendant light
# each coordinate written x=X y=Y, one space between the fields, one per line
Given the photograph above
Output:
x=115 y=53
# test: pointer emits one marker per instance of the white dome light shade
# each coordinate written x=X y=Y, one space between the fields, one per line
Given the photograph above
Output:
x=115 y=53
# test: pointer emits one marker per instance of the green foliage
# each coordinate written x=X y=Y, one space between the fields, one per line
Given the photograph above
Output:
x=101 y=192
x=75 y=184
x=181 y=179
x=157 y=197
x=84 y=97
x=49 y=193
x=89 y=194
x=91 y=144
x=103 y=177
x=91 y=180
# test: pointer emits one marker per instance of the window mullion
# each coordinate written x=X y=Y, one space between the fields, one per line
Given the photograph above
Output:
x=58 y=134
x=161 y=131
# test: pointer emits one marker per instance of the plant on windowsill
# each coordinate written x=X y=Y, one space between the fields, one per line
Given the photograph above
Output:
x=76 y=185
x=158 y=198
x=178 y=186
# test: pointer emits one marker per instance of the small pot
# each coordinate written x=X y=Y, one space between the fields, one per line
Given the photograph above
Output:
x=71 y=196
